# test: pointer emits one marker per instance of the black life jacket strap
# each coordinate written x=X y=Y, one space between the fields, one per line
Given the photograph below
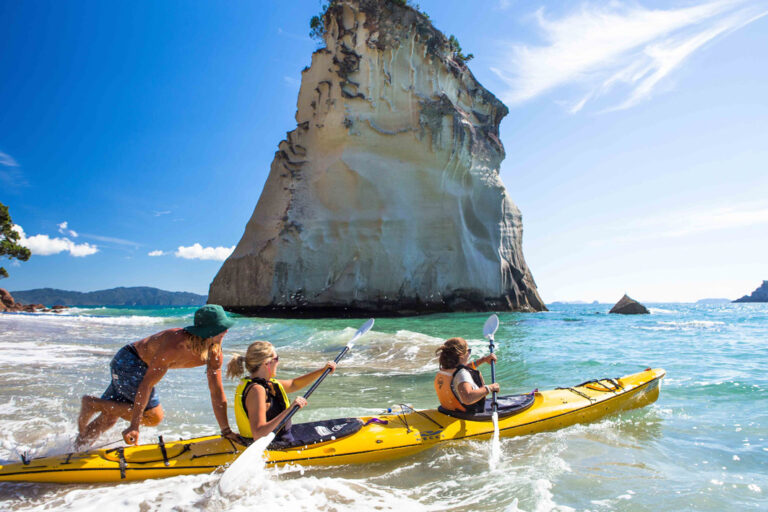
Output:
x=261 y=382
x=477 y=378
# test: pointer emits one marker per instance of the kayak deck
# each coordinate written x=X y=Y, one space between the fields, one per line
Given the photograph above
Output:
x=381 y=437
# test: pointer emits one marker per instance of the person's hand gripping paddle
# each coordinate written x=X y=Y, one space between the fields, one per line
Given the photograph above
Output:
x=239 y=472
x=489 y=329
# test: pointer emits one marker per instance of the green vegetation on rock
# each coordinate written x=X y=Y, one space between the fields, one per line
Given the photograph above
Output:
x=317 y=23
x=9 y=238
x=458 y=54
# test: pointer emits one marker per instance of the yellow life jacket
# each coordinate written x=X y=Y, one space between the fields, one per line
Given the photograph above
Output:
x=278 y=402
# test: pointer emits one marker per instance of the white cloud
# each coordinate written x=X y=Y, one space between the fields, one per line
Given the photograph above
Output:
x=111 y=239
x=691 y=222
x=616 y=47
x=64 y=231
x=198 y=252
x=7 y=160
x=292 y=35
x=155 y=253
x=688 y=223
x=43 y=245
x=164 y=212
x=294 y=82
x=11 y=176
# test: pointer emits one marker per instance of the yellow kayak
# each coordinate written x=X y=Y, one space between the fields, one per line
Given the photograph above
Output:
x=350 y=440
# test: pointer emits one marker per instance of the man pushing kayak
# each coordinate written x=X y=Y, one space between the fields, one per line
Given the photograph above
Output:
x=139 y=366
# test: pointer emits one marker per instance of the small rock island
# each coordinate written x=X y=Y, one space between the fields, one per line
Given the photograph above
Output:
x=629 y=306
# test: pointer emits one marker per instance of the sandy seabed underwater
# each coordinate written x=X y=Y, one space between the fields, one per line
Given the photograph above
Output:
x=702 y=446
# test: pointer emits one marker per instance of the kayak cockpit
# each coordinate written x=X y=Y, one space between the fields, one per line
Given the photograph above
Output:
x=507 y=406
x=313 y=432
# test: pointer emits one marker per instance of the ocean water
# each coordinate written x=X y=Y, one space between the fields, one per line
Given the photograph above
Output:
x=702 y=446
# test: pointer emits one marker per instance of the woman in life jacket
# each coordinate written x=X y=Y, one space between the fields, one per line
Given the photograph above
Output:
x=459 y=384
x=261 y=400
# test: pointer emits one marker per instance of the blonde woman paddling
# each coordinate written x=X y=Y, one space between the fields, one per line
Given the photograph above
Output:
x=261 y=400
x=139 y=366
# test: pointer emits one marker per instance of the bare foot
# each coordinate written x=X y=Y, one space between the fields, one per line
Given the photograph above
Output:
x=86 y=413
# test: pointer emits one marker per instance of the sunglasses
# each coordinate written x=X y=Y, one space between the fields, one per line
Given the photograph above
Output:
x=469 y=351
x=276 y=359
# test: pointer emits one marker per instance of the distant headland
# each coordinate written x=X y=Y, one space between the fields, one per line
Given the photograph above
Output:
x=122 y=296
x=759 y=295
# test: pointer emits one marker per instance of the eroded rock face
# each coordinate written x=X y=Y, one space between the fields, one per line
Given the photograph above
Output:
x=387 y=196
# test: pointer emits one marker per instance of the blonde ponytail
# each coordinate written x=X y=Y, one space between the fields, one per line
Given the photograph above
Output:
x=236 y=367
x=257 y=354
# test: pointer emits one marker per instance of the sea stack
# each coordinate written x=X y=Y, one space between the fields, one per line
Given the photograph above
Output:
x=386 y=198
x=629 y=306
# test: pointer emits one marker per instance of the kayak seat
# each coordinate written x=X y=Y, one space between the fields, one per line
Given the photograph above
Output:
x=507 y=406
x=315 y=432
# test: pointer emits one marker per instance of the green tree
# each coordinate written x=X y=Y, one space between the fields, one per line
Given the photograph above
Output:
x=457 y=52
x=317 y=26
x=317 y=23
x=8 y=240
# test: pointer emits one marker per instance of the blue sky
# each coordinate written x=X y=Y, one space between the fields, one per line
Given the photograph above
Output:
x=637 y=138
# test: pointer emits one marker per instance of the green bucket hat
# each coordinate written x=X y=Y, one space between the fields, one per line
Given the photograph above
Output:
x=210 y=320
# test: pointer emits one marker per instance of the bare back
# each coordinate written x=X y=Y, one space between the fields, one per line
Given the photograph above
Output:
x=171 y=347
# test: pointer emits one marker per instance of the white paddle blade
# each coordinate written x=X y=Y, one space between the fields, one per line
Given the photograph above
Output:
x=249 y=465
x=489 y=329
x=362 y=330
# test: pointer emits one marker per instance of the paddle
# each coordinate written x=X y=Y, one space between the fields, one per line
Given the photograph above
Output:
x=233 y=477
x=489 y=329
x=362 y=330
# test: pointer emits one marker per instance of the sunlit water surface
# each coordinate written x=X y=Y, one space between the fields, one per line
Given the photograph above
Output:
x=701 y=447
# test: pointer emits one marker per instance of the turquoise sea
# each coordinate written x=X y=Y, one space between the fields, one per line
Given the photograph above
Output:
x=702 y=446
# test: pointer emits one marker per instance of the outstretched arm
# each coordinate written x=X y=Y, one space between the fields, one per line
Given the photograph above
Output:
x=218 y=398
x=298 y=383
x=256 y=400
x=486 y=359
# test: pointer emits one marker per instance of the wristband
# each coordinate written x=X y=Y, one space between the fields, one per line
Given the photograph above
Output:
x=487 y=389
x=226 y=430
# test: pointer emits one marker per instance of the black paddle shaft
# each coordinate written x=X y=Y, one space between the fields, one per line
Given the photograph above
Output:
x=295 y=408
x=493 y=373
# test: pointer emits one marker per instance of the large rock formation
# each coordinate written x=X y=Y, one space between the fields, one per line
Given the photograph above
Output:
x=759 y=295
x=387 y=196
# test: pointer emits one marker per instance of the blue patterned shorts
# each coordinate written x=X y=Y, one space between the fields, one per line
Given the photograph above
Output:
x=128 y=371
